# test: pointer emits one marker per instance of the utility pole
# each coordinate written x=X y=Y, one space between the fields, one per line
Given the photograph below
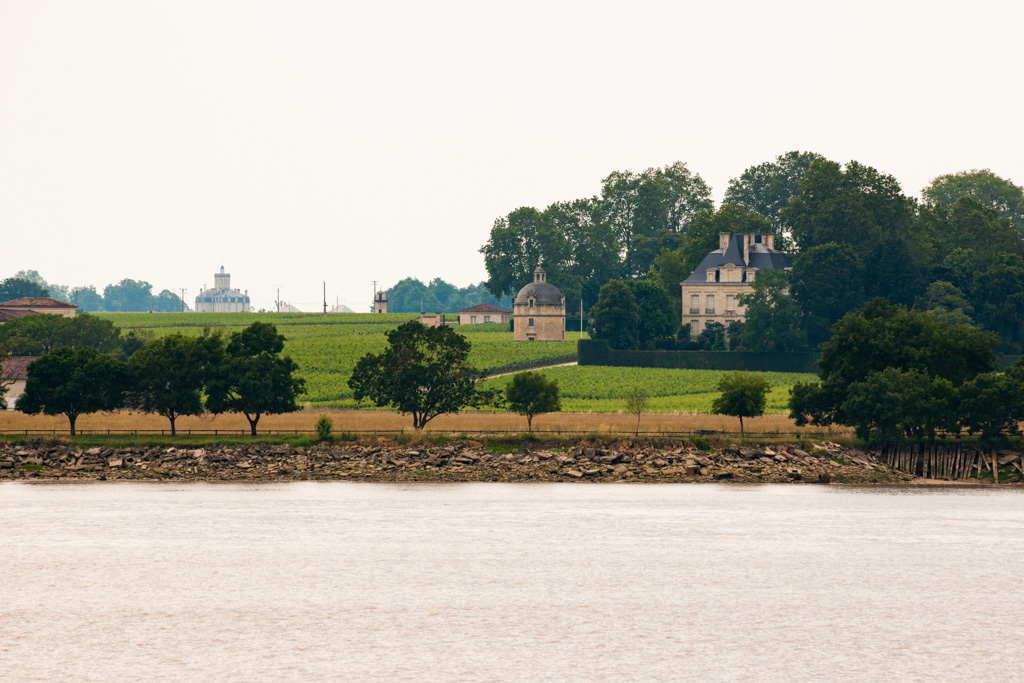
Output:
x=182 y=299
x=374 y=309
x=325 y=298
x=278 y=299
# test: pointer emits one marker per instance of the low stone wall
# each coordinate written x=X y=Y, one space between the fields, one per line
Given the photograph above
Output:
x=388 y=461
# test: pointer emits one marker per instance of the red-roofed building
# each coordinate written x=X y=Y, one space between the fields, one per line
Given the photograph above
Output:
x=38 y=304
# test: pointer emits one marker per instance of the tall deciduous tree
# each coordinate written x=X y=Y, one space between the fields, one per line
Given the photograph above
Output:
x=856 y=206
x=616 y=316
x=252 y=377
x=743 y=394
x=828 y=281
x=766 y=188
x=882 y=336
x=772 y=321
x=74 y=382
x=35 y=335
x=128 y=295
x=982 y=186
x=517 y=245
x=531 y=394
x=423 y=372
x=168 y=374
x=658 y=317
x=17 y=288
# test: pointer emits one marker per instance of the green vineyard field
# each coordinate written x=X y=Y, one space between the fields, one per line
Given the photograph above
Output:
x=604 y=389
x=327 y=348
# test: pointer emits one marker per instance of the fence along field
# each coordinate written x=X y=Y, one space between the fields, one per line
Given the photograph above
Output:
x=327 y=348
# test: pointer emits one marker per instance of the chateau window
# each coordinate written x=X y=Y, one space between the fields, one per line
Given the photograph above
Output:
x=531 y=322
x=531 y=306
x=472 y=318
x=710 y=304
x=487 y=318
x=695 y=303
x=730 y=303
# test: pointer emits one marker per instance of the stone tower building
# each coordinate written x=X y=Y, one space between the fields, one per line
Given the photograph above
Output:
x=380 y=302
x=539 y=311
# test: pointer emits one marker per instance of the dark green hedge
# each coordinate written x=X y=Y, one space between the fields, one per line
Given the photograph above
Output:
x=597 y=352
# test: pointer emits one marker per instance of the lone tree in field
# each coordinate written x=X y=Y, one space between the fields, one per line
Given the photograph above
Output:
x=422 y=372
x=252 y=377
x=636 y=402
x=532 y=394
x=74 y=382
x=168 y=375
x=743 y=395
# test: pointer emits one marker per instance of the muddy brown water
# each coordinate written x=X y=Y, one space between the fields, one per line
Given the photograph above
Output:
x=509 y=582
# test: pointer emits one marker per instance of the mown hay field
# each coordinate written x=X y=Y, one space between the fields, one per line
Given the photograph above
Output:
x=383 y=421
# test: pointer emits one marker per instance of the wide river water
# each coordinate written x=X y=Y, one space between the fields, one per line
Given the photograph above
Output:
x=509 y=582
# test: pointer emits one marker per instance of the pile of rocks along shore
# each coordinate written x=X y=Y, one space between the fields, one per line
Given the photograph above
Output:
x=388 y=461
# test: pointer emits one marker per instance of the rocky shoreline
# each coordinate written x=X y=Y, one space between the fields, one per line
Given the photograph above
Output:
x=385 y=460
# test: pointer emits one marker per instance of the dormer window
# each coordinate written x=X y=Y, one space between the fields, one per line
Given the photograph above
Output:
x=531 y=303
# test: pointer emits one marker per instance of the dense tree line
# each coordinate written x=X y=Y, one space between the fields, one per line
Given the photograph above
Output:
x=852 y=233
x=126 y=295
x=895 y=374
x=412 y=296
x=100 y=370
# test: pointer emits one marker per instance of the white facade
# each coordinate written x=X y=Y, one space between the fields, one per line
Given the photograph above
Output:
x=221 y=298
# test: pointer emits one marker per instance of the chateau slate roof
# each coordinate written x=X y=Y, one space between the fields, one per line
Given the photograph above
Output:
x=543 y=293
x=486 y=308
x=761 y=257
x=36 y=302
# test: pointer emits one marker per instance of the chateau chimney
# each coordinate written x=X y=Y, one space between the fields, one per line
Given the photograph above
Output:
x=723 y=240
x=747 y=239
x=770 y=238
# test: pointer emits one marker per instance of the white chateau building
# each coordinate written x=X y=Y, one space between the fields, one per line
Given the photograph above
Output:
x=221 y=298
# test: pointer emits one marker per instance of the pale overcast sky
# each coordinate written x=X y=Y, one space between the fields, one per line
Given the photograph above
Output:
x=300 y=141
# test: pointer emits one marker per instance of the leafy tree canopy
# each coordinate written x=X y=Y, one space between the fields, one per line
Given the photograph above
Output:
x=531 y=394
x=423 y=372
x=252 y=377
x=168 y=374
x=857 y=207
x=743 y=394
x=658 y=317
x=773 y=317
x=767 y=188
x=17 y=288
x=74 y=382
x=616 y=316
x=34 y=335
x=984 y=187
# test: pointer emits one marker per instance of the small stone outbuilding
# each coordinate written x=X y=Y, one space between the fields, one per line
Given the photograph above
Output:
x=484 y=313
x=539 y=311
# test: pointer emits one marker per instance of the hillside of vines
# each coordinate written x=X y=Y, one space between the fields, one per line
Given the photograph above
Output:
x=604 y=389
x=327 y=348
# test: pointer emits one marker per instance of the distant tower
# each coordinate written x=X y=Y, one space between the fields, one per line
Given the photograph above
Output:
x=380 y=302
x=222 y=280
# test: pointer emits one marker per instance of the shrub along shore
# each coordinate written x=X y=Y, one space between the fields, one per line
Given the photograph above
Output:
x=455 y=460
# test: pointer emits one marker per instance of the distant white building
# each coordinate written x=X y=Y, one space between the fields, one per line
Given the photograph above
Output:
x=221 y=298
